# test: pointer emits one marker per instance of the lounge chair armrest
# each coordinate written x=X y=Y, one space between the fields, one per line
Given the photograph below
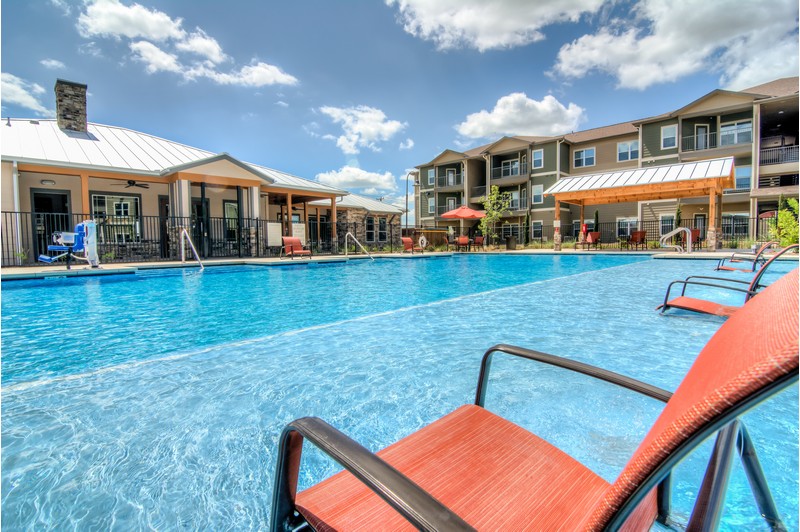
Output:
x=687 y=283
x=722 y=279
x=565 y=363
x=414 y=503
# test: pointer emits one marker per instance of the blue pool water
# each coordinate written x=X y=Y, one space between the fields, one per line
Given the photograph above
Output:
x=156 y=401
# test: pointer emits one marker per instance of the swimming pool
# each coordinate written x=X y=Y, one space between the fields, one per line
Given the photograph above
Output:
x=117 y=415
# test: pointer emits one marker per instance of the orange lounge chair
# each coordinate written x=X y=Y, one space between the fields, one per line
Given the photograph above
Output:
x=752 y=258
x=475 y=470
x=408 y=245
x=462 y=242
x=592 y=239
x=704 y=306
x=638 y=238
x=292 y=247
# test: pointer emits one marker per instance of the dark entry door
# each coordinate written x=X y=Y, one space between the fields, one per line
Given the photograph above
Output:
x=50 y=214
x=163 y=222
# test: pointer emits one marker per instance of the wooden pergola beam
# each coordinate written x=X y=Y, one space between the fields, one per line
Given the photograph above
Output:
x=653 y=191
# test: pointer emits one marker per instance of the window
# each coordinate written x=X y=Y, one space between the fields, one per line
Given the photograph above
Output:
x=537 y=194
x=381 y=229
x=576 y=227
x=431 y=205
x=451 y=177
x=538 y=159
x=509 y=168
x=509 y=230
x=669 y=136
x=584 y=158
x=627 y=151
x=451 y=204
x=735 y=225
x=231 y=211
x=523 y=198
x=667 y=223
x=431 y=176
x=743 y=175
x=514 y=204
x=118 y=217
x=625 y=226
x=536 y=229
x=736 y=133
x=370 y=229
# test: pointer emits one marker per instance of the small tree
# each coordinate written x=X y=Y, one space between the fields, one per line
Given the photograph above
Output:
x=495 y=205
x=784 y=228
x=679 y=236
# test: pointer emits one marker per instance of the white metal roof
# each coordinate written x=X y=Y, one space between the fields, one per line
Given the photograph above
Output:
x=354 y=201
x=643 y=176
x=116 y=149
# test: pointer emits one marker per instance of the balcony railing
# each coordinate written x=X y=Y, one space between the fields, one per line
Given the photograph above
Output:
x=478 y=191
x=709 y=141
x=499 y=172
x=770 y=181
x=784 y=154
x=450 y=180
x=441 y=209
x=518 y=205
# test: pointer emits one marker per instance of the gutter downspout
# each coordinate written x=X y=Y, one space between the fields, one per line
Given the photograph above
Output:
x=18 y=229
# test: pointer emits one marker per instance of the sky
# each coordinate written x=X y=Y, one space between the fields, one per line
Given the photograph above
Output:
x=356 y=93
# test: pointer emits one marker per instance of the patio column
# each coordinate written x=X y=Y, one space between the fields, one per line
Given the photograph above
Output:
x=254 y=207
x=87 y=207
x=581 y=234
x=334 y=237
x=711 y=234
x=288 y=216
x=557 y=227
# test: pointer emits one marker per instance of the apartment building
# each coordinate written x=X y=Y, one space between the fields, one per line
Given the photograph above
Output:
x=758 y=127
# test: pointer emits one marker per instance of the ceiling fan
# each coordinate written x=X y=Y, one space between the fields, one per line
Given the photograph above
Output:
x=131 y=183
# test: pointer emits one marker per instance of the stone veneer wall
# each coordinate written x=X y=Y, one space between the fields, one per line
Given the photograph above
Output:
x=71 y=105
x=357 y=224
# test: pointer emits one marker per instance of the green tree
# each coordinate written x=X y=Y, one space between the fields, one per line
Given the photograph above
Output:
x=785 y=227
x=495 y=205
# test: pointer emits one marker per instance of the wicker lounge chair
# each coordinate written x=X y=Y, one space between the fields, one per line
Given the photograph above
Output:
x=292 y=247
x=704 y=306
x=475 y=470
x=408 y=245
x=752 y=258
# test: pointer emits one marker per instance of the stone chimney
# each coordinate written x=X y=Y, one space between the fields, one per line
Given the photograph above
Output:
x=71 y=105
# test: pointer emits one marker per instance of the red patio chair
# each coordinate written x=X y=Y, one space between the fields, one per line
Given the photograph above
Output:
x=408 y=245
x=462 y=242
x=475 y=470
x=704 y=306
x=477 y=242
x=592 y=239
x=752 y=258
x=292 y=247
x=638 y=238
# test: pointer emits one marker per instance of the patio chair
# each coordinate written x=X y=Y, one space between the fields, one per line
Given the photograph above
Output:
x=592 y=239
x=477 y=242
x=292 y=247
x=475 y=470
x=638 y=238
x=408 y=245
x=696 y=240
x=752 y=258
x=704 y=306
x=462 y=242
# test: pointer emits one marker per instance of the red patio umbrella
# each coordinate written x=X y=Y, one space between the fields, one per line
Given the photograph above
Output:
x=464 y=213
x=768 y=214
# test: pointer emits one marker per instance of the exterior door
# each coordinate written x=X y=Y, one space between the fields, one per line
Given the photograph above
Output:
x=163 y=223
x=50 y=214
x=701 y=137
x=700 y=223
x=451 y=204
x=451 y=177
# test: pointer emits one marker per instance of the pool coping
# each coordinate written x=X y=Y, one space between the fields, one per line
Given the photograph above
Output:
x=19 y=273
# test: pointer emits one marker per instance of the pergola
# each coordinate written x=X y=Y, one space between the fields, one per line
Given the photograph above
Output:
x=684 y=180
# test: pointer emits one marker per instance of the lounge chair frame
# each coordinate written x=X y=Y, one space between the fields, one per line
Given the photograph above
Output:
x=426 y=513
x=752 y=289
x=292 y=251
x=753 y=258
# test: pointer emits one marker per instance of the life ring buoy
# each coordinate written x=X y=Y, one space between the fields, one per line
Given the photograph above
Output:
x=423 y=242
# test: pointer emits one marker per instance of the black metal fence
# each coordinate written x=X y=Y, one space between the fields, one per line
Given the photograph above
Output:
x=120 y=239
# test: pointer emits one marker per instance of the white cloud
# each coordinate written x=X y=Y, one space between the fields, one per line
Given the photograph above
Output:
x=90 y=48
x=281 y=103
x=486 y=24
x=154 y=58
x=407 y=144
x=258 y=74
x=109 y=18
x=350 y=177
x=746 y=42
x=62 y=5
x=363 y=127
x=17 y=91
x=52 y=64
x=516 y=114
x=201 y=44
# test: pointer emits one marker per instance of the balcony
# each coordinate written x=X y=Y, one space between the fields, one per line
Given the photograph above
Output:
x=783 y=154
x=450 y=180
x=477 y=192
x=729 y=136
x=441 y=209
x=772 y=181
x=513 y=170
x=518 y=205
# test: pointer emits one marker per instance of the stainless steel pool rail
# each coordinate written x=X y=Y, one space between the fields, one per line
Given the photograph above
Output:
x=186 y=238
x=665 y=238
x=351 y=235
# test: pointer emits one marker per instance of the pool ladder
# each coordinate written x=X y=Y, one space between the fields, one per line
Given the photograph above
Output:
x=351 y=235
x=186 y=238
x=665 y=238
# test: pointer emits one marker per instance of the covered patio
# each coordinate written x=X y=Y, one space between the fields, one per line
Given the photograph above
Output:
x=685 y=180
